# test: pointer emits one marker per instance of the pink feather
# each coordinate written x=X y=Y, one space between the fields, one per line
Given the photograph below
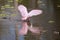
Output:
x=34 y=13
x=24 y=29
x=24 y=13
x=34 y=30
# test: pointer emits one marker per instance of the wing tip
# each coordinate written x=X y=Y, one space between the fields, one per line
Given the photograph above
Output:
x=40 y=11
x=20 y=6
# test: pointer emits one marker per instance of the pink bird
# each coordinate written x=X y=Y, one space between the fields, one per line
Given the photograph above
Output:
x=25 y=16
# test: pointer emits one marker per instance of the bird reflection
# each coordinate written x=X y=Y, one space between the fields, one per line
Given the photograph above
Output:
x=26 y=25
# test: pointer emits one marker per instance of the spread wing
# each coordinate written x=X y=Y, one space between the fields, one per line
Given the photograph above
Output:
x=34 y=13
x=23 y=11
x=24 y=29
x=34 y=30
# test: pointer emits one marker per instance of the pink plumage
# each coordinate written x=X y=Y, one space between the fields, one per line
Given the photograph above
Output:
x=24 y=29
x=34 y=13
x=24 y=13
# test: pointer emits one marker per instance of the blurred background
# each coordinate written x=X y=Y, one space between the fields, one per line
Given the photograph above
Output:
x=48 y=20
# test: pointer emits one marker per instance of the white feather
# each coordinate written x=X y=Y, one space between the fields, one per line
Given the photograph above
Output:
x=23 y=11
x=34 y=13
